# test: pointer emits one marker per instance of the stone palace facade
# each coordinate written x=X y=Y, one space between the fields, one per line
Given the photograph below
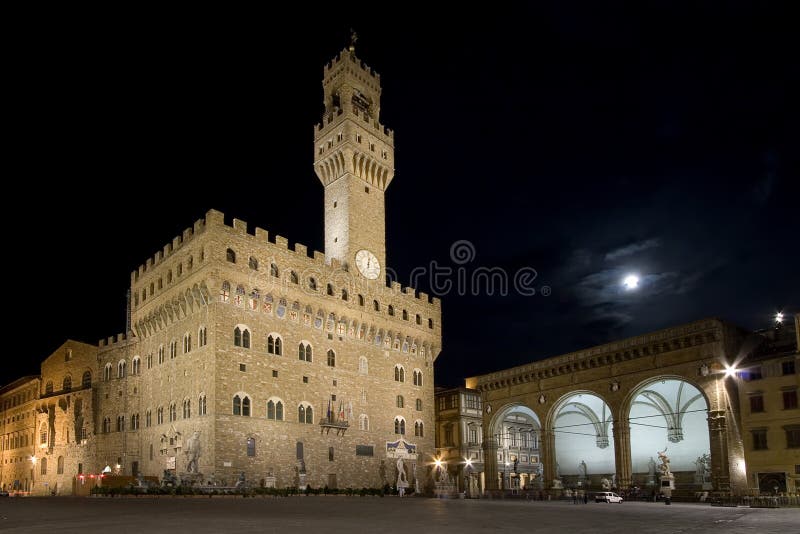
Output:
x=247 y=357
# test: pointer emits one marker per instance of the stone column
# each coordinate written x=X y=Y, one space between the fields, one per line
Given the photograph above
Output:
x=720 y=465
x=490 y=462
x=547 y=456
x=622 y=453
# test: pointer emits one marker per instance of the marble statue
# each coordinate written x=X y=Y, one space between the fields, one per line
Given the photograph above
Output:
x=665 y=471
x=605 y=483
x=582 y=469
x=402 y=481
x=192 y=452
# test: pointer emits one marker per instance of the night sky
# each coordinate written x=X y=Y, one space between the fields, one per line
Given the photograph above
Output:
x=581 y=142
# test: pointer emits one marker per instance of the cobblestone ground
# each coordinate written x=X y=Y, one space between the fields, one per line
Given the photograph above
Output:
x=380 y=515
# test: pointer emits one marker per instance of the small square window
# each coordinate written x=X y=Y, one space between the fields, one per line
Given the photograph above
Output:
x=334 y=381
x=333 y=397
x=334 y=203
x=330 y=336
x=366 y=189
x=305 y=380
x=242 y=367
x=274 y=373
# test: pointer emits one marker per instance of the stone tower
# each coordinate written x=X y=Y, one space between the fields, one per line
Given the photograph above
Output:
x=354 y=160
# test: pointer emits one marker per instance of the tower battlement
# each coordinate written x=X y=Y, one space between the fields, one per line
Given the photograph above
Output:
x=264 y=246
x=347 y=60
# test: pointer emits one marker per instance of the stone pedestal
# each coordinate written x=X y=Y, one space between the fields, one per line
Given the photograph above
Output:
x=192 y=479
x=667 y=484
x=301 y=483
x=269 y=482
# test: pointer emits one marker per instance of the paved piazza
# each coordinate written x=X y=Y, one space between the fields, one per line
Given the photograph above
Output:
x=373 y=514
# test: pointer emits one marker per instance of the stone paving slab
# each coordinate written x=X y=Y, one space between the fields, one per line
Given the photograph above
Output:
x=331 y=515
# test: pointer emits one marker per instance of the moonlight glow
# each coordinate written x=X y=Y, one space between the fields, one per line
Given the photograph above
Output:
x=631 y=282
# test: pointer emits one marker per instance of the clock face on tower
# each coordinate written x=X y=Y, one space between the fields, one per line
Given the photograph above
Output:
x=368 y=264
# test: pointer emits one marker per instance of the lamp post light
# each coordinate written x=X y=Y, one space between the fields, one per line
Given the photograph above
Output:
x=468 y=478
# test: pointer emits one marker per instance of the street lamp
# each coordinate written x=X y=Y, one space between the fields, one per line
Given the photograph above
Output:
x=467 y=481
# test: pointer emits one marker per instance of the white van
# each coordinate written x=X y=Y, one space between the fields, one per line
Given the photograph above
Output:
x=607 y=496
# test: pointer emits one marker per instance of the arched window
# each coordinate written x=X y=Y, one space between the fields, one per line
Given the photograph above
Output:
x=361 y=300
x=161 y=354
x=202 y=336
x=376 y=305
x=251 y=447
x=187 y=343
x=417 y=377
x=135 y=421
x=273 y=270
x=67 y=384
x=390 y=310
x=86 y=380
x=225 y=292
x=363 y=365
x=121 y=369
x=187 y=408
x=237 y=405
x=344 y=294
x=274 y=345
x=190 y=263
x=400 y=401
x=363 y=422
x=60 y=466
x=399 y=373
x=293 y=278
x=106 y=425
x=230 y=255
x=329 y=291
x=173 y=350
x=253 y=263
x=312 y=284
x=399 y=425
x=160 y=415
x=419 y=405
x=173 y=411
x=419 y=429
x=48 y=388
x=305 y=414
x=148 y=418
x=201 y=405
x=136 y=365
x=241 y=337
x=120 y=423
x=43 y=434
x=331 y=358
x=430 y=323
x=44 y=466
x=275 y=409
x=419 y=319
x=107 y=372
x=304 y=352
x=169 y=276
x=405 y=315
x=246 y=406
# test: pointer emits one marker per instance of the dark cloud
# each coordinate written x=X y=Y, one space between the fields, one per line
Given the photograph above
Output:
x=632 y=249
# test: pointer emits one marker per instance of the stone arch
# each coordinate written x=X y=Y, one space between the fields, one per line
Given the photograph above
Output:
x=510 y=462
x=581 y=424
x=668 y=413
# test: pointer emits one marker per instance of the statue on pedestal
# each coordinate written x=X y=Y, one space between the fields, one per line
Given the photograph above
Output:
x=665 y=471
x=192 y=452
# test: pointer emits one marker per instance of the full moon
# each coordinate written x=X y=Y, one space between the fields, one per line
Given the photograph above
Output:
x=631 y=282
